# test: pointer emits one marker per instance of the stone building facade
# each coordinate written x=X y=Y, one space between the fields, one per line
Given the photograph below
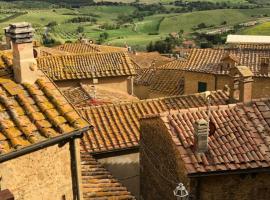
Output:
x=42 y=174
x=221 y=154
x=39 y=152
x=73 y=64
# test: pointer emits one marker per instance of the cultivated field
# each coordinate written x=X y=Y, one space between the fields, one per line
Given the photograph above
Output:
x=136 y=33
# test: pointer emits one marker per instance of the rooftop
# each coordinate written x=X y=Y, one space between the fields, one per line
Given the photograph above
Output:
x=98 y=183
x=210 y=60
x=248 y=39
x=90 y=65
x=33 y=113
x=241 y=140
x=78 y=48
x=117 y=125
x=86 y=95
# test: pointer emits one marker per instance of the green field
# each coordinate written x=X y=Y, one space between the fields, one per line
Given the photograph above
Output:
x=138 y=33
x=214 y=17
x=262 y=29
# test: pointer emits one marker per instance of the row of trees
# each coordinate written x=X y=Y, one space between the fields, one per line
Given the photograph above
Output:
x=166 y=45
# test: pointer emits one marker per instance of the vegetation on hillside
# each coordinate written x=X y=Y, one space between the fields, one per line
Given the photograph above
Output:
x=135 y=23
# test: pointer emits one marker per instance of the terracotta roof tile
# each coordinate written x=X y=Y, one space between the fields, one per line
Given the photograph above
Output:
x=209 y=60
x=117 y=125
x=84 y=95
x=78 y=48
x=238 y=142
x=30 y=114
x=98 y=183
x=82 y=66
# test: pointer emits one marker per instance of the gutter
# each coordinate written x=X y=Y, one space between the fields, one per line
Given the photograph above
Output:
x=44 y=144
x=108 y=153
x=232 y=172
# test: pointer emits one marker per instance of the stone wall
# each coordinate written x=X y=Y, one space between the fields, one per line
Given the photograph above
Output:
x=161 y=166
x=192 y=79
x=142 y=92
x=44 y=174
x=160 y=169
x=237 y=187
x=261 y=86
x=121 y=83
x=125 y=168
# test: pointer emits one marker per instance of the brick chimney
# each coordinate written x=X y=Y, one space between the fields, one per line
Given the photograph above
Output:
x=201 y=132
x=24 y=63
x=241 y=84
x=265 y=66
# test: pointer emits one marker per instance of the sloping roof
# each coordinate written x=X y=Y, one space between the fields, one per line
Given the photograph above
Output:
x=30 y=114
x=252 y=46
x=84 y=95
x=5 y=63
x=209 y=60
x=241 y=140
x=78 y=48
x=144 y=76
x=46 y=51
x=117 y=125
x=168 y=82
x=82 y=66
x=248 y=39
x=149 y=59
x=98 y=183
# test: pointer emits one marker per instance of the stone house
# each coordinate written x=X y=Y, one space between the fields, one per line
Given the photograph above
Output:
x=115 y=139
x=40 y=130
x=208 y=69
x=217 y=152
x=113 y=70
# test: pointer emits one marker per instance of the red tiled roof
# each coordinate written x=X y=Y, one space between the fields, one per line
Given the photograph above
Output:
x=81 y=66
x=78 y=48
x=32 y=113
x=98 y=183
x=168 y=82
x=83 y=95
x=117 y=125
x=241 y=139
x=149 y=59
x=209 y=60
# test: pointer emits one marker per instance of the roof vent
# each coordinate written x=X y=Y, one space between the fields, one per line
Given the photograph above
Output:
x=24 y=63
x=201 y=130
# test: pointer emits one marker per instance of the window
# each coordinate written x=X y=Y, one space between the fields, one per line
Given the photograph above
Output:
x=202 y=86
x=63 y=197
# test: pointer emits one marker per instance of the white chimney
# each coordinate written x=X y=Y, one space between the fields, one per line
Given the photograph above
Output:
x=24 y=63
x=201 y=133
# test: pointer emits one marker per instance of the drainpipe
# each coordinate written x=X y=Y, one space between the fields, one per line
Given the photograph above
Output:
x=75 y=171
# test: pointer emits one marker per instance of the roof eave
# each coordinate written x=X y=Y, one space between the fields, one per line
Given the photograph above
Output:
x=229 y=172
x=44 y=144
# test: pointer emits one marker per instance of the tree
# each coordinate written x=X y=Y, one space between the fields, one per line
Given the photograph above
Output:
x=80 y=29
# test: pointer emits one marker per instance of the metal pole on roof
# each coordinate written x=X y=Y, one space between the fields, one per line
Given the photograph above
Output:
x=180 y=192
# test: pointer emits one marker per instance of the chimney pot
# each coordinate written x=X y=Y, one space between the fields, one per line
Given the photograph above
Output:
x=241 y=84
x=24 y=63
x=201 y=132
